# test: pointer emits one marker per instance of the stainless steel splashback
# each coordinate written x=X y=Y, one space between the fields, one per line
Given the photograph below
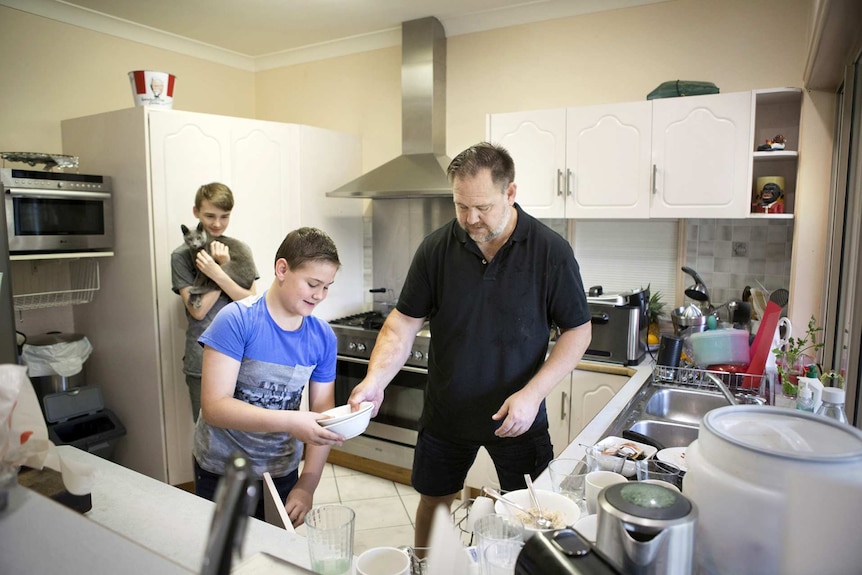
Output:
x=397 y=229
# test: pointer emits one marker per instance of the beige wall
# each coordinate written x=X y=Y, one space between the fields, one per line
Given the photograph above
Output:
x=53 y=71
x=622 y=55
x=615 y=56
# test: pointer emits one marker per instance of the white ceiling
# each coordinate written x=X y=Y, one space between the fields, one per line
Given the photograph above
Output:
x=258 y=34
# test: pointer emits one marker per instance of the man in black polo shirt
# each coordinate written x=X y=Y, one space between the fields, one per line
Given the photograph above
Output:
x=490 y=282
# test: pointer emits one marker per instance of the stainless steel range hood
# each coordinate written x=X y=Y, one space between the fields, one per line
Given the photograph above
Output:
x=420 y=170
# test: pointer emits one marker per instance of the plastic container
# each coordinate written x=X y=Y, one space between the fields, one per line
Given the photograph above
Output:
x=804 y=398
x=719 y=346
x=816 y=388
x=766 y=480
x=833 y=404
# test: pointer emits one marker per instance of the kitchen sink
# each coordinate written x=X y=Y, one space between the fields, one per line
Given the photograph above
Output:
x=667 y=433
x=669 y=415
x=682 y=405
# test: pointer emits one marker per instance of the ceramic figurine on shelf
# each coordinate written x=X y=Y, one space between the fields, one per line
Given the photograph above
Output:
x=777 y=143
x=769 y=195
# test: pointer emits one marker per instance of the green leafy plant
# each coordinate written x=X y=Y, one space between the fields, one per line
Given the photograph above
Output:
x=787 y=357
x=655 y=306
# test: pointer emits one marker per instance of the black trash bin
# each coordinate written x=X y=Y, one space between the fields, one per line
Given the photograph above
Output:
x=78 y=417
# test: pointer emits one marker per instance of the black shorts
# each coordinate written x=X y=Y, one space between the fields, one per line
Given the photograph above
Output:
x=441 y=465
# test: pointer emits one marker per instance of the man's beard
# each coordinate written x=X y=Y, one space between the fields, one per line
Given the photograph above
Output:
x=491 y=234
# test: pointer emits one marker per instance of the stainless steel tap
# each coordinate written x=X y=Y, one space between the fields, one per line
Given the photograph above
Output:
x=236 y=499
x=723 y=388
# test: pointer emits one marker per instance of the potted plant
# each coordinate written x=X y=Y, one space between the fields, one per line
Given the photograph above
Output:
x=788 y=358
x=655 y=307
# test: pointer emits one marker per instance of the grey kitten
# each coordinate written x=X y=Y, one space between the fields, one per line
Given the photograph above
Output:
x=240 y=268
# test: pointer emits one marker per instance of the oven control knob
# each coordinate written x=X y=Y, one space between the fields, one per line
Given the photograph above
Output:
x=417 y=355
x=360 y=347
x=351 y=346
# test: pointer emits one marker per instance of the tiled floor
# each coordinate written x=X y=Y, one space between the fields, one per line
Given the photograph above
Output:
x=385 y=510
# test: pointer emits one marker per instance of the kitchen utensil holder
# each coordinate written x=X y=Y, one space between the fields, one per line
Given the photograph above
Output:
x=699 y=379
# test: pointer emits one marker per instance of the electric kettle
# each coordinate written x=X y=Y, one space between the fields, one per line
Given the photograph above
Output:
x=646 y=529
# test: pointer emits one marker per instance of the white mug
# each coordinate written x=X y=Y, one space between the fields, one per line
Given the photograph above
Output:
x=598 y=480
x=383 y=561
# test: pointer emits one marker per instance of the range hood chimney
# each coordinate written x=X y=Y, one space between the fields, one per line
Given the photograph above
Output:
x=420 y=170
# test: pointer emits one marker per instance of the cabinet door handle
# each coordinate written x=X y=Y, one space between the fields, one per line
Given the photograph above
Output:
x=563 y=406
x=559 y=182
x=569 y=183
x=653 y=184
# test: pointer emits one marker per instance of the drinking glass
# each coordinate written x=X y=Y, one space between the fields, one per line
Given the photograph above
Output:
x=598 y=461
x=495 y=528
x=500 y=557
x=568 y=478
x=329 y=530
x=660 y=470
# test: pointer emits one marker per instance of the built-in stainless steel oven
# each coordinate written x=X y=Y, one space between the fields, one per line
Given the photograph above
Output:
x=52 y=212
x=391 y=435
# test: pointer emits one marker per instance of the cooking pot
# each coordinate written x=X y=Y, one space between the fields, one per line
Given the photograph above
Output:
x=778 y=491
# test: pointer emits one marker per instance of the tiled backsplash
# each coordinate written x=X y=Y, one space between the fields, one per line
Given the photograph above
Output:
x=727 y=254
x=731 y=254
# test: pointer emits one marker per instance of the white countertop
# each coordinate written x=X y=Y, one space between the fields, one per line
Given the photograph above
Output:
x=594 y=431
x=137 y=525
x=141 y=525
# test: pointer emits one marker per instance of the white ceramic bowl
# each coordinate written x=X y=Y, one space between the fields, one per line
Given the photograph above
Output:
x=354 y=423
x=342 y=412
x=588 y=526
x=563 y=510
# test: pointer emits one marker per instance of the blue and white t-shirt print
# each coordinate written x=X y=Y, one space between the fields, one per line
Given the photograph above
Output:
x=270 y=385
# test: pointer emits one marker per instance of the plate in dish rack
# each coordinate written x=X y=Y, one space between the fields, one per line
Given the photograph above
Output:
x=675 y=455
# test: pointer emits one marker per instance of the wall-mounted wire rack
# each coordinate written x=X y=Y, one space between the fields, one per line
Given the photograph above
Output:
x=40 y=284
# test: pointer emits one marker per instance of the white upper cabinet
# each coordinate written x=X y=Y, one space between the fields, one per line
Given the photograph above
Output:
x=671 y=158
x=701 y=156
x=608 y=160
x=537 y=142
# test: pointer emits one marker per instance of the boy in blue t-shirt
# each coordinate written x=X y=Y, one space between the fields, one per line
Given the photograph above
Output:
x=259 y=353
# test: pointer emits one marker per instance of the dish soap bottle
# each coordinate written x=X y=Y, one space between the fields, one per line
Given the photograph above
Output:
x=833 y=404
x=805 y=397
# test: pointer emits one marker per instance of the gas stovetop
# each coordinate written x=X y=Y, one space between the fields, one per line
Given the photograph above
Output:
x=365 y=320
x=357 y=334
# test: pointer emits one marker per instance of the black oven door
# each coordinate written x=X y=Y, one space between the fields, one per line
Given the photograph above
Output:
x=398 y=418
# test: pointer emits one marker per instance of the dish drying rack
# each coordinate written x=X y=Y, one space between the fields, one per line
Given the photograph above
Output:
x=419 y=566
x=701 y=379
